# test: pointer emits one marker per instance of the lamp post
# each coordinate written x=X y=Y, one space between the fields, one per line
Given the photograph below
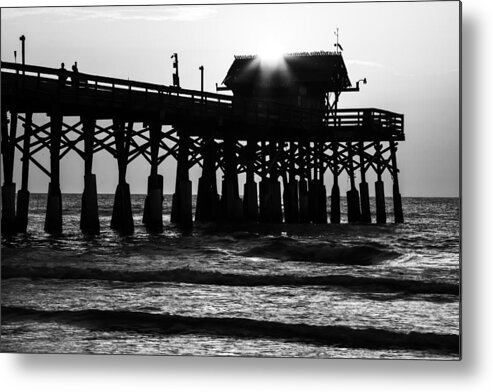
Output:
x=201 y=68
x=23 y=45
x=176 y=78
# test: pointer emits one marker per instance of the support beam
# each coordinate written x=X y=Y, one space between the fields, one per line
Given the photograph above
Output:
x=398 y=215
x=89 y=217
x=181 y=209
x=23 y=195
x=53 y=221
x=122 y=218
x=363 y=187
x=379 y=186
x=335 y=202
x=153 y=205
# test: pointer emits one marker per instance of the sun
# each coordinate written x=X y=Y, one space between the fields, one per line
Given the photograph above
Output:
x=271 y=53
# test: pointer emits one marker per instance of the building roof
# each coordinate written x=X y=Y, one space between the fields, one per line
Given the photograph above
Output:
x=326 y=69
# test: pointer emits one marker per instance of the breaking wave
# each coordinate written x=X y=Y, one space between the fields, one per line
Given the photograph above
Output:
x=320 y=252
x=185 y=275
x=167 y=324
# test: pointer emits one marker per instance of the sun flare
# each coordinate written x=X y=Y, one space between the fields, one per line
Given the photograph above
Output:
x=271 y=53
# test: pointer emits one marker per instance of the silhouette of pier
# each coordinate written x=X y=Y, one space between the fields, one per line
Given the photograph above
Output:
x=283 y=132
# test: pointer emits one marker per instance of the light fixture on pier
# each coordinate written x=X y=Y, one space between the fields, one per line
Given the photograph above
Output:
x=358 y=82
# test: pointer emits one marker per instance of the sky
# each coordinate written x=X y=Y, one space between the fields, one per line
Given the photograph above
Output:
x=409 y=53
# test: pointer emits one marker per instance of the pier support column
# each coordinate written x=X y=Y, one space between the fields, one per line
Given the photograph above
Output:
x=23 y=195
x=313 y=193
x=318 y=193
x=53 y=220
x=231 y=204
x=250 y=194
x=352 y=195
x=89 y=215
x=304 y=202
x=207 y=209
x=335 y=196
x=379 y=187
x=270 y=190
x=290 y=196
x=363 y=188
x=181 y=209
x=398 y=215
x=122 y=218
x=8 y=187
x=153 y=205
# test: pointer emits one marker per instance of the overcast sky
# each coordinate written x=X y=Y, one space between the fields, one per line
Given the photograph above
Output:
x=409 y=52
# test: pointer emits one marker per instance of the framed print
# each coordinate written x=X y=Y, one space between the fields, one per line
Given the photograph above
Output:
x=257 y=180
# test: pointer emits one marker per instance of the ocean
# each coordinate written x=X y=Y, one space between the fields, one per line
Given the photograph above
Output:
x=259 y=290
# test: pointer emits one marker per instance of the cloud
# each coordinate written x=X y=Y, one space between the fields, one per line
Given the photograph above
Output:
x=155 y=14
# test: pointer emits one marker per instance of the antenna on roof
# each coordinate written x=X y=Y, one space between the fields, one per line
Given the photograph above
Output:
x=337 y=45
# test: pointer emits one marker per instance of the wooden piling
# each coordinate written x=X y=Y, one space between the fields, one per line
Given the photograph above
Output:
x=181 y=209
x=250 y=194
x=153 y=205
x=398 y=215
x=304 y=199
x=231 y=204
x=23 y=195
x=53 y=220
x=122 y=218
x=379 y=186
x=352 y=195
x=335 y=201
x=290 y=195
x=89 y=216
x=363 y=187
x=270 y=189
x=8 y=187
x=207 y=208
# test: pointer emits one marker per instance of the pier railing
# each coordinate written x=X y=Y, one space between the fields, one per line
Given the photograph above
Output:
x=193 y=102
x=97 y=83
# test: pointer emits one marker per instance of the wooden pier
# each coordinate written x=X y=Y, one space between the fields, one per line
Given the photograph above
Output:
x=286 y=146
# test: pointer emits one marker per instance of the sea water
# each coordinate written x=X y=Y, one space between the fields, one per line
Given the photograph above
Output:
x=276 y=290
